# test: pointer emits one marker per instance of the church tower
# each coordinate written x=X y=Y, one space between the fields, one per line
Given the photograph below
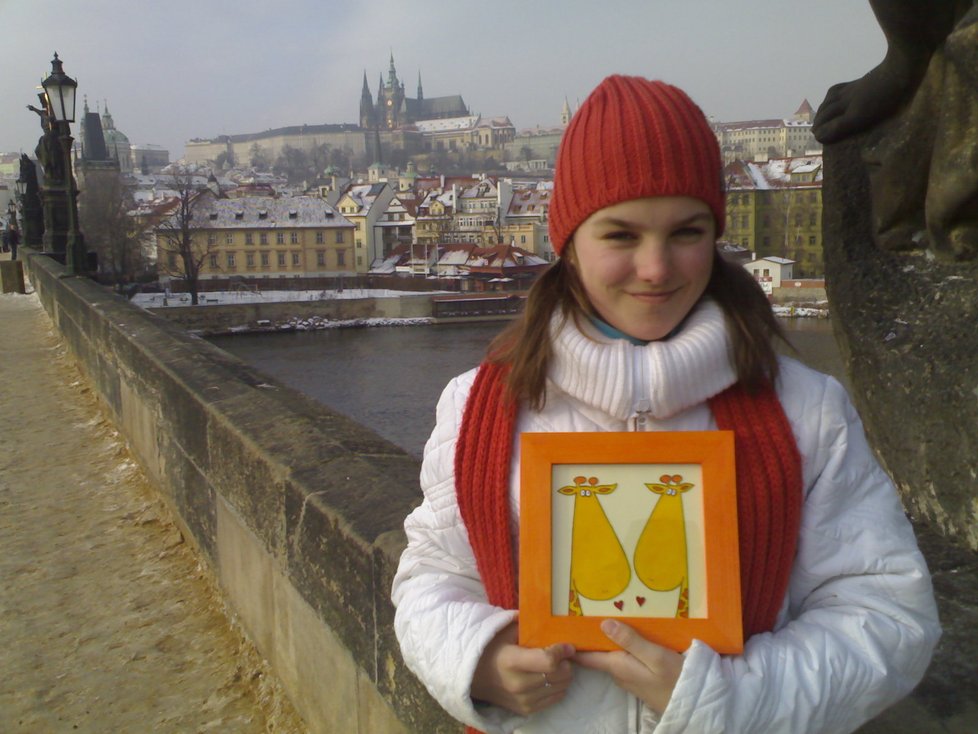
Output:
x=391 y=99
x=420 y=93
x=565 y=114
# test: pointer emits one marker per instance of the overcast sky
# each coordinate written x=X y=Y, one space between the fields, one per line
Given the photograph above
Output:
x=181 y=69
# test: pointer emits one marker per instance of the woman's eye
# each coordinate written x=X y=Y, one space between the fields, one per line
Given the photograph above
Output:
x=688 y=233
x=619 y=234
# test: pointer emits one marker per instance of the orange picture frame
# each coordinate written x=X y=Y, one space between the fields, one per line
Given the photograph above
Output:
x=657 y=547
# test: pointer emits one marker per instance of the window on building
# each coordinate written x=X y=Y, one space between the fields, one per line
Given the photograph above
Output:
x=250 y=259
x=294 y=238
x=280 y=238
x=249 y=238
x=211 y=239
x=339 y=237
x=213 y=259
x=767 y=272
x=745 y=220
x=321 y=258
x=797 y=220
x=171 y=260
x=263 y=238
x=229 y=239
x=813 y=219
x=341 y=258
x=320 y=237
x=281 y=259
x=295 y=259
x=230 y=260
x=813 y=240
x=264 y=259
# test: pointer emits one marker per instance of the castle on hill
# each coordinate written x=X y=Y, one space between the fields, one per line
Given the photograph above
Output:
x=394 y=109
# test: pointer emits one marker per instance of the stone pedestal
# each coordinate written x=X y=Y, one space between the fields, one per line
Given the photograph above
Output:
x=12 y=276
x=906 y=324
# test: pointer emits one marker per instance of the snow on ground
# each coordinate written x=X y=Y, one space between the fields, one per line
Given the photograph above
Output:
x=819 y=311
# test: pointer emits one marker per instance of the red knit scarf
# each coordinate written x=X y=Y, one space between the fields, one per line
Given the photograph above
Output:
x=769 y=491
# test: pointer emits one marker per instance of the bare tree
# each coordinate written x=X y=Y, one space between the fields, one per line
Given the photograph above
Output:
x=182 y=248
x=106 y=215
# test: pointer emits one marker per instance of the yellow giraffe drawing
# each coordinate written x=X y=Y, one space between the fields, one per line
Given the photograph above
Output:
x=661 y=552
x=599 y=567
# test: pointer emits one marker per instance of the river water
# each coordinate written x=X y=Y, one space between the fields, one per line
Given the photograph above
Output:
x=389 y=378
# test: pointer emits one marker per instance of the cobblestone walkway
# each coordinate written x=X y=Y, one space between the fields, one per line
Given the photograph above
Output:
x=107 y=622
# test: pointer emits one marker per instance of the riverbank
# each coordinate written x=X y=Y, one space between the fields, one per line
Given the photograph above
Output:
x=243 y=312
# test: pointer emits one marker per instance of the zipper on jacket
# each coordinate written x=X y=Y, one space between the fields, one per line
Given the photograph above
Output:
x=642 y=407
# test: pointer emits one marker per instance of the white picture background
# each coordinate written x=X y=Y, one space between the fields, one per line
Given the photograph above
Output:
x=628 y=508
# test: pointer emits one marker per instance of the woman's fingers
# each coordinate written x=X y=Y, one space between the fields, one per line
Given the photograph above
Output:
x=641 y=667
x=522 y=679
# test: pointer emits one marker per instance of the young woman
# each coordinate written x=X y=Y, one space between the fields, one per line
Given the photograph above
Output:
x=641 y=326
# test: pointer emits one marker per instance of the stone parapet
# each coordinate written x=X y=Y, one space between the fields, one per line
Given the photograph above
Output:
x=297 y=509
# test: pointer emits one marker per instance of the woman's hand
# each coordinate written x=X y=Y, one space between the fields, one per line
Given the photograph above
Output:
x=642 y=668
x=522 y=679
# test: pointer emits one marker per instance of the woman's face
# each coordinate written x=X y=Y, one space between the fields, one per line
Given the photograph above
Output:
x=645 y=263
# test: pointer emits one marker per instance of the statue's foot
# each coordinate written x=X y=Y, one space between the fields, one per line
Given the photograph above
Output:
x=962 y=242
x=902 y=238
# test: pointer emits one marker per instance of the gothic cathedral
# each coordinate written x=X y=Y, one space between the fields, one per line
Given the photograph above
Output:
x=394 y=109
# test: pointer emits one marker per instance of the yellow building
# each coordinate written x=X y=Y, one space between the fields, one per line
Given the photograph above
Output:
x=524 y=223
x=775 y=209
x=260 y=237
x=760 y=140
x=364 y=206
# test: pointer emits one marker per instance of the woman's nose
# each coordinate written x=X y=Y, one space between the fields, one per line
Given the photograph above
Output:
x=652 y=262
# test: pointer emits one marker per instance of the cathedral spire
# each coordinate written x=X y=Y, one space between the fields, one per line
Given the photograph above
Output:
x=366 y=105
x=420 y=93
x=392 y=74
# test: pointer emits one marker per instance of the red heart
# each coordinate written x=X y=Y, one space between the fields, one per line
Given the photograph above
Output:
x=619 y=604
x=640 y=600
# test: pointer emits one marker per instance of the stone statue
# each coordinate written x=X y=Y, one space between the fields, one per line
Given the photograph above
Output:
x=920 y=108
x=900 y=228
x=33 y=218
x=49 y=150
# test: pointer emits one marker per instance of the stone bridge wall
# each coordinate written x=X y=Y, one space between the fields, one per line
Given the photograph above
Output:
x=298 y=510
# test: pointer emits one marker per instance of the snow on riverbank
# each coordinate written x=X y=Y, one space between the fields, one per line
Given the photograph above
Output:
x=315 y=322
x=224 y=298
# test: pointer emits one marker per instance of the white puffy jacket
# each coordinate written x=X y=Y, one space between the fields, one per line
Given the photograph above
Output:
x=859 y=622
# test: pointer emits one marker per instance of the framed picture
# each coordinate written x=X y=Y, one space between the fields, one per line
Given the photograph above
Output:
x=640 y=526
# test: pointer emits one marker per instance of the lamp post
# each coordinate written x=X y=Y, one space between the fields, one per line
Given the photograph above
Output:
x=59 y=92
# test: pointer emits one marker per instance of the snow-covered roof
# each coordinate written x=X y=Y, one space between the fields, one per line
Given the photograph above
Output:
x=265 y=212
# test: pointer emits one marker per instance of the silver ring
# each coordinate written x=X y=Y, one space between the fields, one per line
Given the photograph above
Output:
x=546 y=681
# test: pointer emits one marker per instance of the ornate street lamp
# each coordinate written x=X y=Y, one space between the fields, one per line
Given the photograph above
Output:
x=59 y=91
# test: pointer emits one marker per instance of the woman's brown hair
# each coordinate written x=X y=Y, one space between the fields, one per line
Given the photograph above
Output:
x=525 y=345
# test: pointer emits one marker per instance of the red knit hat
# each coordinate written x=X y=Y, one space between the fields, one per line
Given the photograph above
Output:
x=634 y=138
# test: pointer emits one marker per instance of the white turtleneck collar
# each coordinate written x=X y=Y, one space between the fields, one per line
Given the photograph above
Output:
x=663 y=377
